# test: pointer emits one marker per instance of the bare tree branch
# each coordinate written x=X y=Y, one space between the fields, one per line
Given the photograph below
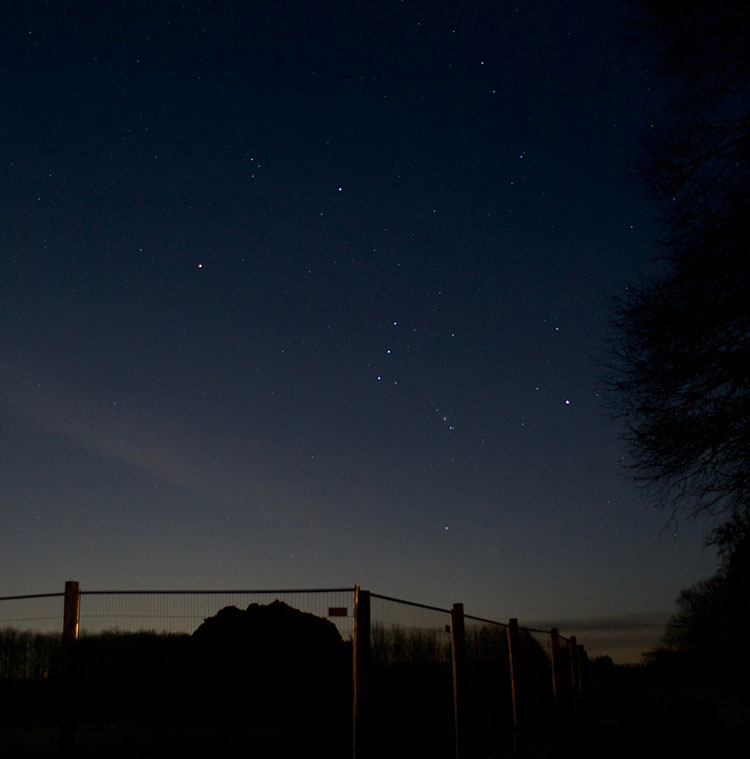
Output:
x=679 y=352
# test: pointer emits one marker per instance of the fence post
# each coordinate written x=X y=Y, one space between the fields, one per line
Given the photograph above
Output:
x=513 y=660
x=71 y=616
x=554 y=644
x=458 y=649
x=361 y=666
x=574 y=672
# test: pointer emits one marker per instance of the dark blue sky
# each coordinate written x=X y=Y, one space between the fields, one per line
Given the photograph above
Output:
x=308 y=293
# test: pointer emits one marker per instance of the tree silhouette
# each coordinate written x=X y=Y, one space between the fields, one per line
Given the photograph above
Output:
x=708 y=630
x=693 y=628
x=679 y=354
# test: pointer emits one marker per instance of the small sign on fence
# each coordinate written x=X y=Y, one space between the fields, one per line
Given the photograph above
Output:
x=337 y=611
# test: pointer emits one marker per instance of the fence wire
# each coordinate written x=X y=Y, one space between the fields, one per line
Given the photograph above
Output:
x=411 y=679
x=182 y=612
x=137 y=642
x=41 y=613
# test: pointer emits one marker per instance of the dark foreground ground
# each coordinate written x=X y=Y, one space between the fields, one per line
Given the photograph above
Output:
x=660 y=710
x=633 y=710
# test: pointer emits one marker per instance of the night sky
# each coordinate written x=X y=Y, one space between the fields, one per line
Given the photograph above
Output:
x=299 y=294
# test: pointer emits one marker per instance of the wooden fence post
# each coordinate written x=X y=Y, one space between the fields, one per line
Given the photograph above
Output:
x=458 y=649
x=361 y=666
x=554 y=644
x=71 y=616
x=513 y=660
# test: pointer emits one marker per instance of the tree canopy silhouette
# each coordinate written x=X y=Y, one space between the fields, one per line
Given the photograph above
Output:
x=679 y=355
x=708 y=630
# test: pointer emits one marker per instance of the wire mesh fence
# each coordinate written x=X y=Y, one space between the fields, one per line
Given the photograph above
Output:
x=30 y=629
x=438 y=680
x=487 y=712
x=182 y=612
x=41 y=613
x=412 y=710
x=144 y=679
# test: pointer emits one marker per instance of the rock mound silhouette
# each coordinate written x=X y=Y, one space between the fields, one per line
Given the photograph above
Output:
x=276 y=630
x=272 y=658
